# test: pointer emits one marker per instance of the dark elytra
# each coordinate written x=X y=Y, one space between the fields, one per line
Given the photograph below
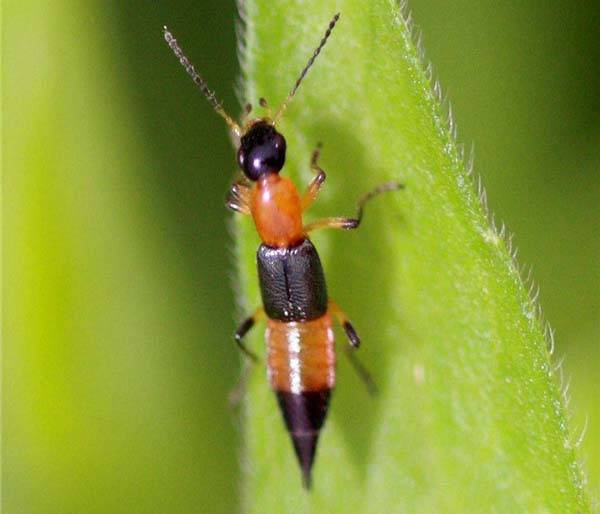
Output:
x=292 y=282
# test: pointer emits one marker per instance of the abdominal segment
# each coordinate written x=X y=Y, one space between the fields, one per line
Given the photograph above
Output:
x=300 y=355
x=301 y=368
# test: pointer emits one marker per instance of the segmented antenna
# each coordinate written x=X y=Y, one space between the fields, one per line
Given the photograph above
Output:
x=307 y=67
x=199 y=81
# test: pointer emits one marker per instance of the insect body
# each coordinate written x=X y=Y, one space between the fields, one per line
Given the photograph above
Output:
x=298 y=311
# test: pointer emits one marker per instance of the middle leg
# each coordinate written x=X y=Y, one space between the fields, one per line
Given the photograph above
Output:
x=351 y=223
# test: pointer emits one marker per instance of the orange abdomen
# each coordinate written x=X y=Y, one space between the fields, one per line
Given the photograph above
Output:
x=301 y=356
x=277 y=211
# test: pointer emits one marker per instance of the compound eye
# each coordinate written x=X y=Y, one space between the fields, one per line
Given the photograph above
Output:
x=241 y=157
x=279 y=148
x=262 y=150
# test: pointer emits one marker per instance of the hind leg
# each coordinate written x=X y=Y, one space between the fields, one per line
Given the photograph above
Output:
x=244 y=328
x=349 y=350
x=235 y=395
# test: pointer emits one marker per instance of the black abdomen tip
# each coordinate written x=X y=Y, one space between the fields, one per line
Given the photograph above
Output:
x=304 y=415
x=305 y=445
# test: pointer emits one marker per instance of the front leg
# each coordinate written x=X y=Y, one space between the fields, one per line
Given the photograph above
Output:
x=315 y=184
x=238 y=197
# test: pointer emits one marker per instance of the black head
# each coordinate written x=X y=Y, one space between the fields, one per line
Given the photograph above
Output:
x=262 y=150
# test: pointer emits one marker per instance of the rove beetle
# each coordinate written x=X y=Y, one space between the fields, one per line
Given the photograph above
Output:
x=299 y=314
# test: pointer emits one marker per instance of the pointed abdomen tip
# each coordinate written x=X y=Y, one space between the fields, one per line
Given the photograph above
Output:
x=304 y=415
x=306 y=447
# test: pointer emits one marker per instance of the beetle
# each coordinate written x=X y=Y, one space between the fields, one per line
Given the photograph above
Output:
x=298 y=312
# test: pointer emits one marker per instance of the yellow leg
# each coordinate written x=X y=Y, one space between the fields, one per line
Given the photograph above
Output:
x=349 y=350
x=344 y=321
x=315 y=184
x=350 y=223
x=238 y=197
x=339 y=223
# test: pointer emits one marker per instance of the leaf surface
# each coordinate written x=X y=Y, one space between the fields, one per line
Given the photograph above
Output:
x=470 y=417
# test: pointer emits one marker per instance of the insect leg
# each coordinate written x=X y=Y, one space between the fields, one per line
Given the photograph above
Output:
x=361 y=371
x=238 y=197
x=350 y=223
x=337 y=222
x=244 y=328
x=312 y=191
x=236 y=394
x=349 y=350
x=343 y=320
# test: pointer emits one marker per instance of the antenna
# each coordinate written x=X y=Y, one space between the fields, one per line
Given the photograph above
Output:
x=199 y=81
x=306 y=68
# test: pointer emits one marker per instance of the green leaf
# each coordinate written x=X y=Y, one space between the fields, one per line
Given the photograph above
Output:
x=470 y=416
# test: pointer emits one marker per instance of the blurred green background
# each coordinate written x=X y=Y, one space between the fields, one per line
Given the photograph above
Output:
x=118 y=260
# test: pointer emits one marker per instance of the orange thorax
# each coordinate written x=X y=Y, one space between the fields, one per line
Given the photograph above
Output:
x=277 y=211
